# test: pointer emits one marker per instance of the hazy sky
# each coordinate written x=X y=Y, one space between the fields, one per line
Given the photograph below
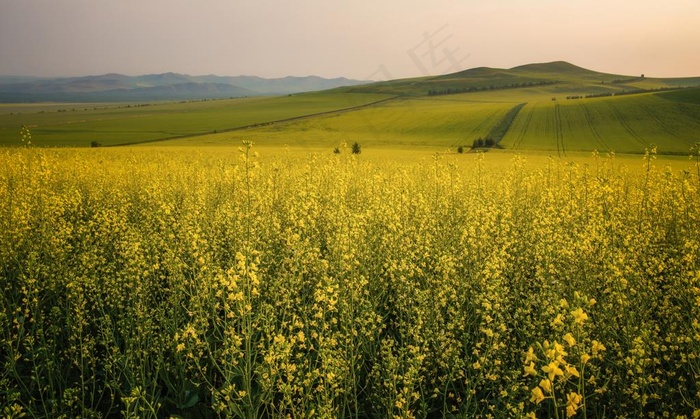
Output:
x=362 y=39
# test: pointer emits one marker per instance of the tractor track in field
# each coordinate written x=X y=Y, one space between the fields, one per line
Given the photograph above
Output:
x=596 y=135
x=621 y=119
x=499 y=131
x=260 y=124
x=664 y=126
x=561 y=151
x=482 y=124
x=521 y=134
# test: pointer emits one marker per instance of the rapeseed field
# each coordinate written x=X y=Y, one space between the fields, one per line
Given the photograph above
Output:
x=218 y=283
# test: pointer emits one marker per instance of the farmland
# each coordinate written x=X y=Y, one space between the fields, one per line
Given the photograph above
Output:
x=159 y=281
x=234 y=258
x=80 y=124
x=422 y=124
x=624 y=124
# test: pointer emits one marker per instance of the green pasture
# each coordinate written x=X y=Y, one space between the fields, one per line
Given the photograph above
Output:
x=79 y=125
x=626 y=124
x=432 y=124
x=623 y=124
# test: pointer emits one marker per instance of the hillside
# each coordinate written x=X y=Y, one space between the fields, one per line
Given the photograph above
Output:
x=522 y=122
x=558 y=77
x=154 y=87
x=627 y=124
x=553 y=108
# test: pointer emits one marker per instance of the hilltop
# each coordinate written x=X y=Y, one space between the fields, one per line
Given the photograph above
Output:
x=563 y=77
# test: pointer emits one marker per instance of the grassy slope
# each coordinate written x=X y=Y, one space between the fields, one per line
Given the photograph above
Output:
x=119 y=125
x=623 y=124
x=425 y=122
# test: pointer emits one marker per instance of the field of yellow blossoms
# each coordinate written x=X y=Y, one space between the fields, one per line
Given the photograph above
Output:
x=209 y=283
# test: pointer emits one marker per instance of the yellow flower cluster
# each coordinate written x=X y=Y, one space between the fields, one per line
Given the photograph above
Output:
x=158 y=282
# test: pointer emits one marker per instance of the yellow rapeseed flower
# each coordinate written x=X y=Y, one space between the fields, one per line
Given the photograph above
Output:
x=555 y=351
x=568 y=338
x=530 y=355
x=546 y=385
x=530 y=370
x=572 y=403
x=553 y=370
x=571 y=370
x=579 y=316
x=597 y=347
x=537 y=395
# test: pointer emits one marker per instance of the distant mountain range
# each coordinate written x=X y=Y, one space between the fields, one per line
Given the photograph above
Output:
x=154 y=87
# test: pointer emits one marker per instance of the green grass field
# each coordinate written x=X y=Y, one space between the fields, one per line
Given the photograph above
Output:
x=79 y=125
x=432 y=124
x=626 y=124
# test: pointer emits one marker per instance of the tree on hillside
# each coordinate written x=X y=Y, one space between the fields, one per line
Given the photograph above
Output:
x=356 y=149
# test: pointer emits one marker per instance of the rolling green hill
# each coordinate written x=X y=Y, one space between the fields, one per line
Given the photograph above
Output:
x=625 y=124
x=559 y=77
x=424 y=123
x=554 y=108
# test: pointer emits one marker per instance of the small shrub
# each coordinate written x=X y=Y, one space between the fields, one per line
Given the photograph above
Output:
x=356 y=149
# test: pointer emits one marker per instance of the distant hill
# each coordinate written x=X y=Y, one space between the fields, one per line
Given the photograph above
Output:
x=561 y=76
x=558 y=67
x=153 y=87
x=286 y=85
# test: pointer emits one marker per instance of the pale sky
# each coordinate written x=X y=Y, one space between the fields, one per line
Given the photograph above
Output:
x=361 y=39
